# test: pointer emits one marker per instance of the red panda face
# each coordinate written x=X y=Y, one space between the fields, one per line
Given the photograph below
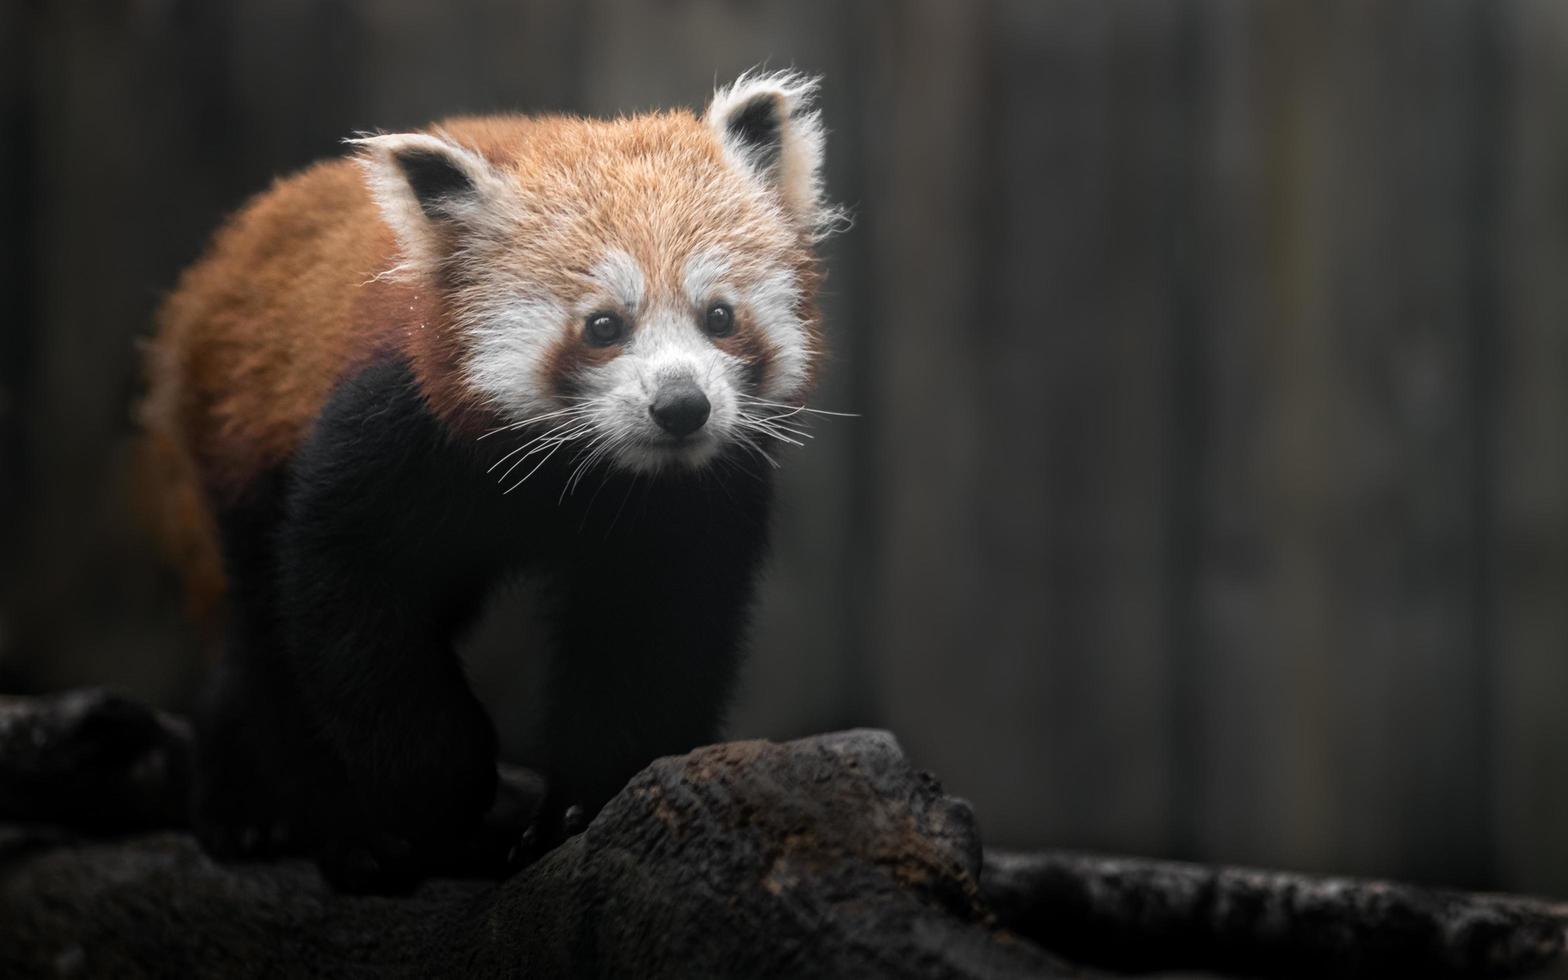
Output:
x=643 y=287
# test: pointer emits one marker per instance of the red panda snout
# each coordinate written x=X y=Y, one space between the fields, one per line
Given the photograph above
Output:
x=679 y=407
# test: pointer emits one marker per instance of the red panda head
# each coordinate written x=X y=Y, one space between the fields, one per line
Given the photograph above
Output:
x=646 y=285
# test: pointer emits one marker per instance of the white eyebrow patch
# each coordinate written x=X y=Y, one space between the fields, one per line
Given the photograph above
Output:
x=620 y=276
x=701 y=277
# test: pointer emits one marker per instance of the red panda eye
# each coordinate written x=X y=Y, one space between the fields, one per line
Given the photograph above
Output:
x=721 y=320
x=604 y=329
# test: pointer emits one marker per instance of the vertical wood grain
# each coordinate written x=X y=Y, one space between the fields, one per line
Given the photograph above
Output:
x=1528 y=551
x=1210 y=490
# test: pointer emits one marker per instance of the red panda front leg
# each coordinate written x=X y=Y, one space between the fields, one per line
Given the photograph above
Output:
x=381 y=562
x=651 y=619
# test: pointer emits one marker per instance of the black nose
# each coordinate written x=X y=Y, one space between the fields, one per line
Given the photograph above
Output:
x=680 y=408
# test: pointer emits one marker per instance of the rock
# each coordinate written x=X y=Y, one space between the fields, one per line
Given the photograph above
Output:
x=1138 y=915
x=824 y=857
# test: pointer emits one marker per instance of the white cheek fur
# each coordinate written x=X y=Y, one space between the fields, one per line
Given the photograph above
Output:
x=508 y=343
x=773 y=300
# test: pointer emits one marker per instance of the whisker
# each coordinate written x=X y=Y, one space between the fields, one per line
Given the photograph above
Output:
x=552 y=443
x=613 y=444
x=796 y=409
x=531 y=472
x=537 y=418
x=754 y=426
x=542 y=436
x=630 y=486
x=587 y=456
x=770 y=422
x=751 y=444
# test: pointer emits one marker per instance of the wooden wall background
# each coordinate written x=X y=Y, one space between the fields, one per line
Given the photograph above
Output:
x=1210 y=496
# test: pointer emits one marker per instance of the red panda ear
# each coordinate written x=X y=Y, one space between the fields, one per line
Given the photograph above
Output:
x=423 y=183
x=768 y=127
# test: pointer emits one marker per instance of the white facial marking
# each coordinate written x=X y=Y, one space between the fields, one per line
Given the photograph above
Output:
x=513 y=329
x=619 y=275
x=509 y=338
x=771 y=300
x=666 y=346
x=701 y=278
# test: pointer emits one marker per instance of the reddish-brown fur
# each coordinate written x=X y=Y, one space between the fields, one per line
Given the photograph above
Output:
x=293 y=294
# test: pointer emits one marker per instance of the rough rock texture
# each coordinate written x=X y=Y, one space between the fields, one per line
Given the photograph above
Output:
x=93 y=761
x=825 y=857
x=1138 y=915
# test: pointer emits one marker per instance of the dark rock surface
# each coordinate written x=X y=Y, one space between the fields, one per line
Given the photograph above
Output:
x=824 y=857
x=1139 y=915
x=93 y=761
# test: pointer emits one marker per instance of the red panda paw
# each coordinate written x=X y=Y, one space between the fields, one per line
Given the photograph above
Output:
x=555 y=822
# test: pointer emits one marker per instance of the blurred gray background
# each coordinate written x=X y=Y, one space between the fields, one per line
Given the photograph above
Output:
x=1209 y=494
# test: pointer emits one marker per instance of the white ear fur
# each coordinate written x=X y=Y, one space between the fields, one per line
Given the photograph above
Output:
x=769 y=127
x=422 y=181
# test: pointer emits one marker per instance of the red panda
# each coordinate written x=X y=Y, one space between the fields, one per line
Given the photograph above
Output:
x=503 y=344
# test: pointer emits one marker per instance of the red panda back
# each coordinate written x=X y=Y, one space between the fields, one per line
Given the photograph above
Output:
x=250 y=344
